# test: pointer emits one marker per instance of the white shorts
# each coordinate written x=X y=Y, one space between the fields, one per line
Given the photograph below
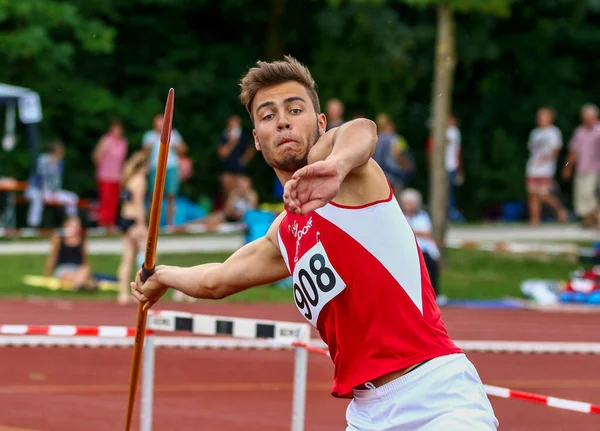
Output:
x=444 y=394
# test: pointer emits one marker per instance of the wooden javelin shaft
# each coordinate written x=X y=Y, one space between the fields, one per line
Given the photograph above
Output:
x=150 y=257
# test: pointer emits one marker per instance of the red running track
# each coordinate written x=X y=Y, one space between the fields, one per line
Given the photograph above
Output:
x=86 y=389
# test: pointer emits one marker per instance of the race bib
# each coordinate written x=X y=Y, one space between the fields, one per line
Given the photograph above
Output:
x=316 y=282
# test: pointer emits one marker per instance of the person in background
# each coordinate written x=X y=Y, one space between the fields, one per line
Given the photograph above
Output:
x=334 y=113
x=45 y=184
x=68 y=258
x=109 y=156
x=453 y=163
x=132 y=219
x=392 y=155
x=584 y=159
x=235 y=152
x=545 y=142
x=241 y=200
x=418 y=219
x=454 y=167
x=177 y=146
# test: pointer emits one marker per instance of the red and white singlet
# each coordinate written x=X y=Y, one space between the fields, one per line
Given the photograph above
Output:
x=360 y=279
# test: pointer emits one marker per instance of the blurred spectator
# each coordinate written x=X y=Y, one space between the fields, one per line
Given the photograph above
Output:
x=453 y=163
x=411 y=202
x=241 y=199
x=545 y=142
x=334 y=113
x=109 y=156
x=132 y=220
x=584 y=155
x=68 y=258
x=177 y=147
x=454 y=167
x=392 y=154
x=45 y=185
x=235 y=151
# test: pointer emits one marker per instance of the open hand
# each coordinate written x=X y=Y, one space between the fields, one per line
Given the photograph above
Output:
x=312 y=187
x=148 y=292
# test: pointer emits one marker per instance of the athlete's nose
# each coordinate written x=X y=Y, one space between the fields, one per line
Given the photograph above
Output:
x=283 y=123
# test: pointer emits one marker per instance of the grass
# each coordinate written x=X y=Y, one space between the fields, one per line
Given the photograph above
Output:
x=474 y=274
x=467 y=274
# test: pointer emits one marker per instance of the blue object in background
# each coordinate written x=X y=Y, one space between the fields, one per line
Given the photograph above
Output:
x=566 y=297
x=257 y=224
x=594 y=298
x=186 y=211
x=513 y=211
x=277 y=188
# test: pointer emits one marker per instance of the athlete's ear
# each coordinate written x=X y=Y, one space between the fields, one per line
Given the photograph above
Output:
x=322 y=123
x=256 y=141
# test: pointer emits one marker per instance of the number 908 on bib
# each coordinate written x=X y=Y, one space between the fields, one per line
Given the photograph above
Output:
x=316 y=282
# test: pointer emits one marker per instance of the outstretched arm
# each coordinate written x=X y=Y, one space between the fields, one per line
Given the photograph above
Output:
x=255 y=264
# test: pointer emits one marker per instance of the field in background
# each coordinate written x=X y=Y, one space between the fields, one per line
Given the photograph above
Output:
x=468 y=274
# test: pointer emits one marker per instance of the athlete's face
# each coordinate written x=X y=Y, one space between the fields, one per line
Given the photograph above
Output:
x=285 y=125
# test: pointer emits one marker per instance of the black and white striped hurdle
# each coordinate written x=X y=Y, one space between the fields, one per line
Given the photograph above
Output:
x=238 y=327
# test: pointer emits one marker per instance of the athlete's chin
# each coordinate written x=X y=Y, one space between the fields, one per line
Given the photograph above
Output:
x=287 y=162
x=289 y=165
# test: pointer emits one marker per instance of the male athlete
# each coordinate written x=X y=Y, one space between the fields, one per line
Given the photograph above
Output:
x=359 y=276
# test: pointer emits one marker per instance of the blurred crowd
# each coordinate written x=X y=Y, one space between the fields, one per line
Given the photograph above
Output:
x=235 y=149
x=125 y=180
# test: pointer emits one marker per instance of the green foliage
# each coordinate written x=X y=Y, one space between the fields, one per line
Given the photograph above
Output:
x=92 y=61
x=497 y=7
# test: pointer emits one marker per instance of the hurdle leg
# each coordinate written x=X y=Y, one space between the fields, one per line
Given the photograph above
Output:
x=299 y=396
x=147 y=384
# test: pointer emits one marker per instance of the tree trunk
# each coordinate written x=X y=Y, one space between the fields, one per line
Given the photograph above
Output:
x=441 y=101
x=274 y=44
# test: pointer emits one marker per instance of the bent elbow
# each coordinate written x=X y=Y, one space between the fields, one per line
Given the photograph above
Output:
x=218 y=292
x=370 y=129
x=212 y=286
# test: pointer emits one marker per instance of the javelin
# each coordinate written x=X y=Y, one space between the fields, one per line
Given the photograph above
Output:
x=149 y=264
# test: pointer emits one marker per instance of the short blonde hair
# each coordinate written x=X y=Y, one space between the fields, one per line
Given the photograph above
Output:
x=266 y=74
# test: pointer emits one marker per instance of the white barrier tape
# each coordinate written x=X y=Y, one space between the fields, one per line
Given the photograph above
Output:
x=560 y=403
x=71 y=330
x=234 y=343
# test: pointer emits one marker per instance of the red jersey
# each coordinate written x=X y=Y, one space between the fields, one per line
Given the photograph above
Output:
x=360 y=279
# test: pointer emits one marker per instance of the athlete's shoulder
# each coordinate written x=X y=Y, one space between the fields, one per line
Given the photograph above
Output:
x=274 y=228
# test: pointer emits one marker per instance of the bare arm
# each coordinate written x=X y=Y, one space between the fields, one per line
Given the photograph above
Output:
x=569 y=165
x=98 y=151
x=349 y=146
x=225 y=149
x=138 y=193
x=255 y=264
x=248 y=155
x=339 y=167
x=84 y=251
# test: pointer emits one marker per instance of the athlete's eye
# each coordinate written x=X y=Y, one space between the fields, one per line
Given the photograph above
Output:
x=268 y=117
x=296 y=111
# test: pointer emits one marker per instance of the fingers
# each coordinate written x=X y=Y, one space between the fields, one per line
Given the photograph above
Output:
x=290 y=196
x=302 y=172
x=311 y=206
x=137 y=293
